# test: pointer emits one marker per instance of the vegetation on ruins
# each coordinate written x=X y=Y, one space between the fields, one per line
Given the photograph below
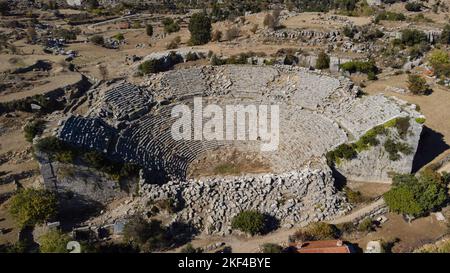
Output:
x=271 y=248
x=417 y=195
x=393 y=148
x=200 y=28
x=33 y=206
x=323 y=61
x=249 y=221
x=369 y=139
x=418 y=85
x=33 y=128
x=317 y=231
x=60 y=151
x=170 y=25
x=54 y=241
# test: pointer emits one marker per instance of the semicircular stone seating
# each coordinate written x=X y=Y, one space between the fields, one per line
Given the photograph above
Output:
x=317 y=113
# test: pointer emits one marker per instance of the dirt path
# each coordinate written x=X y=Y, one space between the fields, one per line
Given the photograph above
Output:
x=359 y=213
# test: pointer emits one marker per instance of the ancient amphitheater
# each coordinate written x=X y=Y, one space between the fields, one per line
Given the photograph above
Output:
x=317 y=113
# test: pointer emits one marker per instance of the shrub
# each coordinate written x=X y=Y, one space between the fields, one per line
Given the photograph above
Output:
x=170 y=25
x=119 y=37
x=412 y=37
x=445 y=35
x=232 y=33
x=149 y=30
x=190 y=249
x=393 y=148
x=32 y=206
x=216 y=60
x=269 y=21
x=413 y=6
x=317 y=231
x=33 y=128
x=150 y=66
x=323 y=61
x=149 y=235
x=290 y=59
x=418 y=85
x=353 y=197
x=191 y=57
x=271 y=248
x=97 y=40
x=200 y=28
x=390 y=16
x=366 y=225
x=360 y=66
x=62 y=33
x=249 y=221
x=416 y=196
x=216 y=36
x=54 y=242
x=174 y=43
x=349 y=31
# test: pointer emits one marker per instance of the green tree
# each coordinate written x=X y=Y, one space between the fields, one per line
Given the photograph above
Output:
x=416 y=196
x=170 y=25
x=149 y=30
x=54 y=242
x=92 y=4
x=200 y=28
x=33 y=206
x=438 y=57
x=97 y=40
x=249 y=221
x=4 y=7
x=323 y=61
x=412 y=37
x=149 y=236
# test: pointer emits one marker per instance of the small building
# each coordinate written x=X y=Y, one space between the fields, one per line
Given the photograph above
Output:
x=374 y=247
x=326 y=246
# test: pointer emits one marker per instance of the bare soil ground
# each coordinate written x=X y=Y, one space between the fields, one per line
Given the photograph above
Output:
x=228 y=162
